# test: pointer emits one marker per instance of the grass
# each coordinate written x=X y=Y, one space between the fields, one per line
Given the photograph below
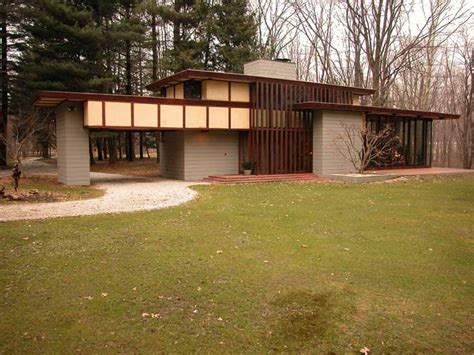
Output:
x=49 y=189
x=283 y=267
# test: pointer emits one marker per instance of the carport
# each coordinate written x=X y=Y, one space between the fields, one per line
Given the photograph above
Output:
x=181 y=119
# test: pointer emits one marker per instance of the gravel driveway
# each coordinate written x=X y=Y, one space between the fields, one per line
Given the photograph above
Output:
x=122 y=194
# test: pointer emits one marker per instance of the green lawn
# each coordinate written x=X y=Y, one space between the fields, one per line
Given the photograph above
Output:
x=313 y=268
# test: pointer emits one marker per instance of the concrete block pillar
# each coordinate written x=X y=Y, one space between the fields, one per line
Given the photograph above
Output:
x=72 y=145
x=328 y=130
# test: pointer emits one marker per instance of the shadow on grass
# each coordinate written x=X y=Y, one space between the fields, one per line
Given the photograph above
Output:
x=304 y=315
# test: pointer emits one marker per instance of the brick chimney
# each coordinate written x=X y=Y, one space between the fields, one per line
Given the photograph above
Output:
x=278 y=69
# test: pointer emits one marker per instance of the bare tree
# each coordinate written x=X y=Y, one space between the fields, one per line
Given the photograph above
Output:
x=276 y=31
x=316 y=23
x=388 y=40
x=362 y=147
x=22 y=128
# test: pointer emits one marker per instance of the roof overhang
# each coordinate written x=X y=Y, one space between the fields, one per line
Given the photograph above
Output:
x=387 y=111
x=193 y=74
x=52 y=99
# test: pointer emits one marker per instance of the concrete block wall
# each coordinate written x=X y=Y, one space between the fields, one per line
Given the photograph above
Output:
x=194 y=155
x=210 y=153
x=172 y=155
x=327 y=133
x=271 y=69
x=72 y=145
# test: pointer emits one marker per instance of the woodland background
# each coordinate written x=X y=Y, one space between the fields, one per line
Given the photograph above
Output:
x=416 y=54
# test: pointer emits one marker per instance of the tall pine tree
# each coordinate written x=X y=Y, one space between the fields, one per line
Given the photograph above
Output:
x=209 y=34
x=234 y=29
x=63 y=49
x=189 y=44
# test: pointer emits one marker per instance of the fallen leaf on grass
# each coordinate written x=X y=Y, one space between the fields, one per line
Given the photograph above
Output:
x=104 y=294
x=150 y=315
x=365 y=350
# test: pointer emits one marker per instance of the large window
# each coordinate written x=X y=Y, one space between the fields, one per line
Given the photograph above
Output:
x=414 y=136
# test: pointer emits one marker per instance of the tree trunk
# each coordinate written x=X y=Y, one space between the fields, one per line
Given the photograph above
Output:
x=130 y=146
x=4 y=110
x=100 y=156
x=91 y=153
x=119 y=137
x=469 y=126
x=104 y=147
x=141 y=145
x=128 y=83
x=45 y=150
x=112 y=144
x=154 y=49
x=157 y=137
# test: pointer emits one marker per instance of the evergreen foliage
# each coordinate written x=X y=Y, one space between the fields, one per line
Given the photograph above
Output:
x=234 y=29
x=119 y=46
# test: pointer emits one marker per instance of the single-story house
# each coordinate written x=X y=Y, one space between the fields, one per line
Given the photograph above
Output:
x=213 y=121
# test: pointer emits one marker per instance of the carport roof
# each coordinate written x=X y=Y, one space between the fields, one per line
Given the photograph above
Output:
x=52 y=99
x=388 y=111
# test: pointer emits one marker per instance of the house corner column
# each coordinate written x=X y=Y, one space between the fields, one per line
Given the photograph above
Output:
x=328 y=133
x=72 y=145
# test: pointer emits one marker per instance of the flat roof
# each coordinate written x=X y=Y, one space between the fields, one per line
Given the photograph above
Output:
x=242 y=78
x=376 y=110
x=54 y=98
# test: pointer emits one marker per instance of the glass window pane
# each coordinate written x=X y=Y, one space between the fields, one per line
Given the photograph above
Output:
x=411 y=144
x=428 y=143
x=419 y=143
x=192 y=89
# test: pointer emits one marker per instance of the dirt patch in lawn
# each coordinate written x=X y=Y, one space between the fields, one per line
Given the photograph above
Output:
x=38 y=188
x=145 y=167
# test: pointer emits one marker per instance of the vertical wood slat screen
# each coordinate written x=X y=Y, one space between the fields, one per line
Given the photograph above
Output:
x=280 y=138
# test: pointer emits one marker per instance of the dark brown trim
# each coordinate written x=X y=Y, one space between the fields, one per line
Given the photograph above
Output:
x=83 y=96
x=120 y=128
x=229 y=89
x=158 y=114
x=207 y=117
x=312 y=105
x=132 y=114
x=103 y=113
x=235 y=77
x=229 y=117
x=184 y=116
